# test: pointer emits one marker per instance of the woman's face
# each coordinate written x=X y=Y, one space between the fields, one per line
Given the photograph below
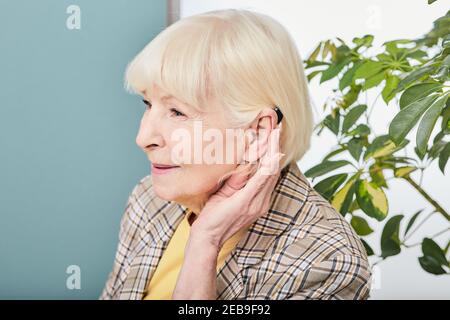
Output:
x=175 y=134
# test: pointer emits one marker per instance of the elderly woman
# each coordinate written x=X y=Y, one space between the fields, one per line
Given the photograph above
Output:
x=246 y=227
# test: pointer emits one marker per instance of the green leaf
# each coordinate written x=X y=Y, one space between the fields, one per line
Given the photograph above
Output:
x=377 y=175
x=419 y=154
x=395 y=160
x=429 y=264
x=417 y=92
x=333 y=153
x=373 y=81
x=443 y=157
x=353 y=116
x=326 y=49
x=313 y=74
x=441 y=74
x=325 y=167
x=382 y=146
x=406 y=119
x=445 y=124
x=431 y=1
x=446 y=41
x=327 y=187
x=369 y=250
x=354 y=205
x=364 y=41
x=347 y=78
x=312 y=64
x=440 y=134
x=332 y=122
x=368 y=69
x=431 y=248
x=388 y=92
x=383 y=57
x=342 y=52
x=333 y=70
x=427 y=123
x=343 y=198
x=361 y=226
x=446 y=62
x=355 y=146
x=315 y=53
x=417 y=54
x=411 y=221
x=377 y=144
x=350 y=97
x=413 y=76
x=403 y=171
x=371 y=199
x=360 y=130
x=390 y=242
x=391 y=47
x=436 y=149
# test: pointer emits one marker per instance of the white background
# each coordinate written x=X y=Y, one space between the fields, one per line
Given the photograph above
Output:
x=399 y=277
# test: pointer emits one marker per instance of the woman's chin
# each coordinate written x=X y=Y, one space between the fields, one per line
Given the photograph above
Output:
x=163 y=193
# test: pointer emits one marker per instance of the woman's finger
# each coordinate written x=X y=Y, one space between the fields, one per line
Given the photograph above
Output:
x=256 y=183
x=269 y=161
x=234 y=182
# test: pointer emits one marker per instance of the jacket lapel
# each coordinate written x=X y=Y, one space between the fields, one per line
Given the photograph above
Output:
x=155 y=237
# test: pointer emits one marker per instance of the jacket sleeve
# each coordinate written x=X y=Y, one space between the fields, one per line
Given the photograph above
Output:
x=343 y=277
x=123 y=248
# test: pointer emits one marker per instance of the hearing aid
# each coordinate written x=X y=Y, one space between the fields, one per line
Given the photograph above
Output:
x=279 y=114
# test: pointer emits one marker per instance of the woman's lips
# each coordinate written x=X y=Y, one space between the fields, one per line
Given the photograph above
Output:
x=162 y=168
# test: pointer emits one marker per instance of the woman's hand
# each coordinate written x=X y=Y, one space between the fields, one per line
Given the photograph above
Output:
x=241 y=200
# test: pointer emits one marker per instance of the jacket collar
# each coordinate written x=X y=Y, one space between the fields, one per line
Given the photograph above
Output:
x=287 y=200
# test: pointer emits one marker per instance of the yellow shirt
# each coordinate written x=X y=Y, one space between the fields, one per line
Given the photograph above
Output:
x=165 y=277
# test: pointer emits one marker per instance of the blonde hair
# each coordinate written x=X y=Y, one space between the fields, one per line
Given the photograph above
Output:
x=247 y=60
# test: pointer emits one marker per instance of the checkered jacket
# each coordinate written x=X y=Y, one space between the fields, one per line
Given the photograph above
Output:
x=301 y=249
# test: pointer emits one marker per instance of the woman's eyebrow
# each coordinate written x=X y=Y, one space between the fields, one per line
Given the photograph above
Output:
x=167 y=97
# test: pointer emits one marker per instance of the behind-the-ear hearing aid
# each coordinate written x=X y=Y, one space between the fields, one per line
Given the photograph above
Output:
x=279 y=114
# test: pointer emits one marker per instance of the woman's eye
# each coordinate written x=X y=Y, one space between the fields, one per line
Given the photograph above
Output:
x=177 y=113
x=174 y=111
x=147 y=103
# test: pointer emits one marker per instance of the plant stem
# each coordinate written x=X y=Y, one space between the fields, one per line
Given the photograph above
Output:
x=436 y=205
x=421 y=176
x=373 y=105
x=433 y=236
x=377 y=262
x=418 y=226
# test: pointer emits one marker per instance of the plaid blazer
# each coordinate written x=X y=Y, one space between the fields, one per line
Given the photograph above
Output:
x=301 y=249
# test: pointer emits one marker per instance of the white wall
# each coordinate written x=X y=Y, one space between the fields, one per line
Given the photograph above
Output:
x=399 y=277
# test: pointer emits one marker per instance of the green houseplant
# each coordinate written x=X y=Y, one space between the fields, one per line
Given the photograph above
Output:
x=415 y=75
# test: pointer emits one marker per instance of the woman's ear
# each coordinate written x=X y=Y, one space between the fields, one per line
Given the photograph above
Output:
x=257 y=136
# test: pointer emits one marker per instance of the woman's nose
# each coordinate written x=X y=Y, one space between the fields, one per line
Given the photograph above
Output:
x=149 y=135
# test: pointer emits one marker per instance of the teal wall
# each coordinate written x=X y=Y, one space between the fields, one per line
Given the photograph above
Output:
x=68 y=158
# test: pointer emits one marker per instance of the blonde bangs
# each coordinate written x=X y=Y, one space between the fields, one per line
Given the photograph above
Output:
x=177 y=61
